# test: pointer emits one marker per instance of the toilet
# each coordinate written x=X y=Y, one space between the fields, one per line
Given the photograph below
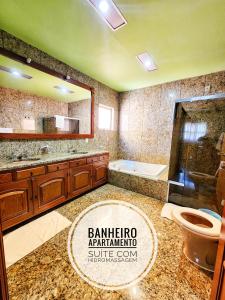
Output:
x=201 y=233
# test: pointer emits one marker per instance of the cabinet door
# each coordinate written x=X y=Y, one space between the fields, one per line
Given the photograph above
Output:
x=100 y=175
x=3 y=277
x=218 y=285
x=80 y=180
x=16 y=203
x=50 y=190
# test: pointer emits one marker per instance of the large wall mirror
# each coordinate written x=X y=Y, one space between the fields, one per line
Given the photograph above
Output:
x=36 y=102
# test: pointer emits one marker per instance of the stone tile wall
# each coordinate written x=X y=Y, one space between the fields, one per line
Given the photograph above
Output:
x=153 y=188
x=146 y=116
x=202 y=155
x=16 y=106
x=81 y=110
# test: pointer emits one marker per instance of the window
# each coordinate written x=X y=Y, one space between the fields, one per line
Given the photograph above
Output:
x=193 y=131
x=105 y=118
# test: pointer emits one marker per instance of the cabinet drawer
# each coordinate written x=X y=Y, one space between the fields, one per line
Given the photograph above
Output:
x=92 y=159
x=57 y=167
x=4 y=178
x=104 y=157
x=30 y=172
x=78 y=162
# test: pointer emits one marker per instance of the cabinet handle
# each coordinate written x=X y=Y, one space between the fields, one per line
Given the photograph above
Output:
x=31 y=173
x=58 y=168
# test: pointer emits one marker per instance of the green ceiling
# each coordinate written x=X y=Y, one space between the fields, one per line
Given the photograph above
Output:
x=40 y=84
x=185 y=37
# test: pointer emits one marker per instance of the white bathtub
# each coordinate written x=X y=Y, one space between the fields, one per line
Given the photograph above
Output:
x=146 y=170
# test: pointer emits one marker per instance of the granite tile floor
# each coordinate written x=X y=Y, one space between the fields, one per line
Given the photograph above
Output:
x=46 y=273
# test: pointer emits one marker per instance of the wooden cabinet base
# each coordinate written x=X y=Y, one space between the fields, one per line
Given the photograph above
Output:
x=218 y=286
x=3 y=277
x=29 y=192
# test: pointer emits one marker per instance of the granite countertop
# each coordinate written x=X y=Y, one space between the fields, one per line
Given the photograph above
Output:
x=7 y=165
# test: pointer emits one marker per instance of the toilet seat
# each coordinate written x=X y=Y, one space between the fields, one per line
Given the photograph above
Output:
x=213 y=231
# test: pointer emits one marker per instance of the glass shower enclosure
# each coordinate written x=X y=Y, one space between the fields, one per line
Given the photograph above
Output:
x=198 y=149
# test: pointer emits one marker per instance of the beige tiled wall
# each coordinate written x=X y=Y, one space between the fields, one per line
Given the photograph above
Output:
x=15 y=106
x=146 y=116
x=81 y=110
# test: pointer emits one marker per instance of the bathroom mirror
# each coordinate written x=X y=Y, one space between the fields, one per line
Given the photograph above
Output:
x=38 y=103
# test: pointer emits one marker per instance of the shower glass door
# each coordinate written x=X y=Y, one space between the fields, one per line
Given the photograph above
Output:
x=199 y=153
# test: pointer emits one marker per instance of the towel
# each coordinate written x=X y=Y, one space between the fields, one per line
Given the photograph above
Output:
x=59 y=121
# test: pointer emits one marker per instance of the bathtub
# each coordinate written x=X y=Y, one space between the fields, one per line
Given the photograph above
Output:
x=146 y=170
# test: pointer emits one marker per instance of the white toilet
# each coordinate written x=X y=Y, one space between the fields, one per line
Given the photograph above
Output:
x=201 y=233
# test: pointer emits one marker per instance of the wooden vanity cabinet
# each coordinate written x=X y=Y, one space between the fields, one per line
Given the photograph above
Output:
x=100 y=173
x=50 y=190
x=27 y=192
x=80 y=180
x=3 y=277
x=16 y=203
x=218 y=286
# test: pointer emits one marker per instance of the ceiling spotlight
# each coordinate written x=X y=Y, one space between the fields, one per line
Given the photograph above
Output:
x=28 y=60
x=147 y=64
x=63 y=89
x=16 y=73
x=103 y=6
x=147 y=61
x=109 y=12
x=68 y=77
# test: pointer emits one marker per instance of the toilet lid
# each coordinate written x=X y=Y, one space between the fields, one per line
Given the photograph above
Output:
x=210 y=231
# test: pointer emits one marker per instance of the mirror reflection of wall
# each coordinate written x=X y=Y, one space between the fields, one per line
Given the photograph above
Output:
x=197 y=146
x=32 y=101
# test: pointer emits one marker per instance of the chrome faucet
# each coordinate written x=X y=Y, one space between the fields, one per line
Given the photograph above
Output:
x=19 y=156
x=44 y=149
x=74 y=151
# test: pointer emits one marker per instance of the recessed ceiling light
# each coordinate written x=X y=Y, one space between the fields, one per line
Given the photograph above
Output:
x=109 y=12
x=14 y=72
x=63 y=89
x=147 y=61
x=103 y=6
